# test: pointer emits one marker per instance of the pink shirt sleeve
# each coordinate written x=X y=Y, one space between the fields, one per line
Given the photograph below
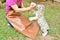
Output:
x=10 y=2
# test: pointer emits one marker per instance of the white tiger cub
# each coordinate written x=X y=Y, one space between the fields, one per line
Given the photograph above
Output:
x=39 y=16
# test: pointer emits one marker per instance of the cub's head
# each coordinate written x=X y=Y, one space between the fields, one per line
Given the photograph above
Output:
x=40 y=7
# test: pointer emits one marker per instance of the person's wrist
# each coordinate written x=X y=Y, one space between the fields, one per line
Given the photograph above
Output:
x=31 y=7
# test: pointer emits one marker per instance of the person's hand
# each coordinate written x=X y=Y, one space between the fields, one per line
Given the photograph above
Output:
x=33 y=5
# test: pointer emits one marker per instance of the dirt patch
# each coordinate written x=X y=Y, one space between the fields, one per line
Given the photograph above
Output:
x=28 y=39
x=40 y=37
x=48 y=37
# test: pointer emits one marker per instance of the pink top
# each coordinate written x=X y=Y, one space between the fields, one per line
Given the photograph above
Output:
x=11 y=2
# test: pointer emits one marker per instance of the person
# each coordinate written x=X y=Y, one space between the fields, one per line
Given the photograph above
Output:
x=17 y=7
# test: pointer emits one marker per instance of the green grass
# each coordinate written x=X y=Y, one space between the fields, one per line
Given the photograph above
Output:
x=52 y=16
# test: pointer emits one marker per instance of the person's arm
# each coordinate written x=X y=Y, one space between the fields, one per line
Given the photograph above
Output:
x=16 y=9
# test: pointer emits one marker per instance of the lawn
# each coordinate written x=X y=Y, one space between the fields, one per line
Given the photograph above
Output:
x=52 y=15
